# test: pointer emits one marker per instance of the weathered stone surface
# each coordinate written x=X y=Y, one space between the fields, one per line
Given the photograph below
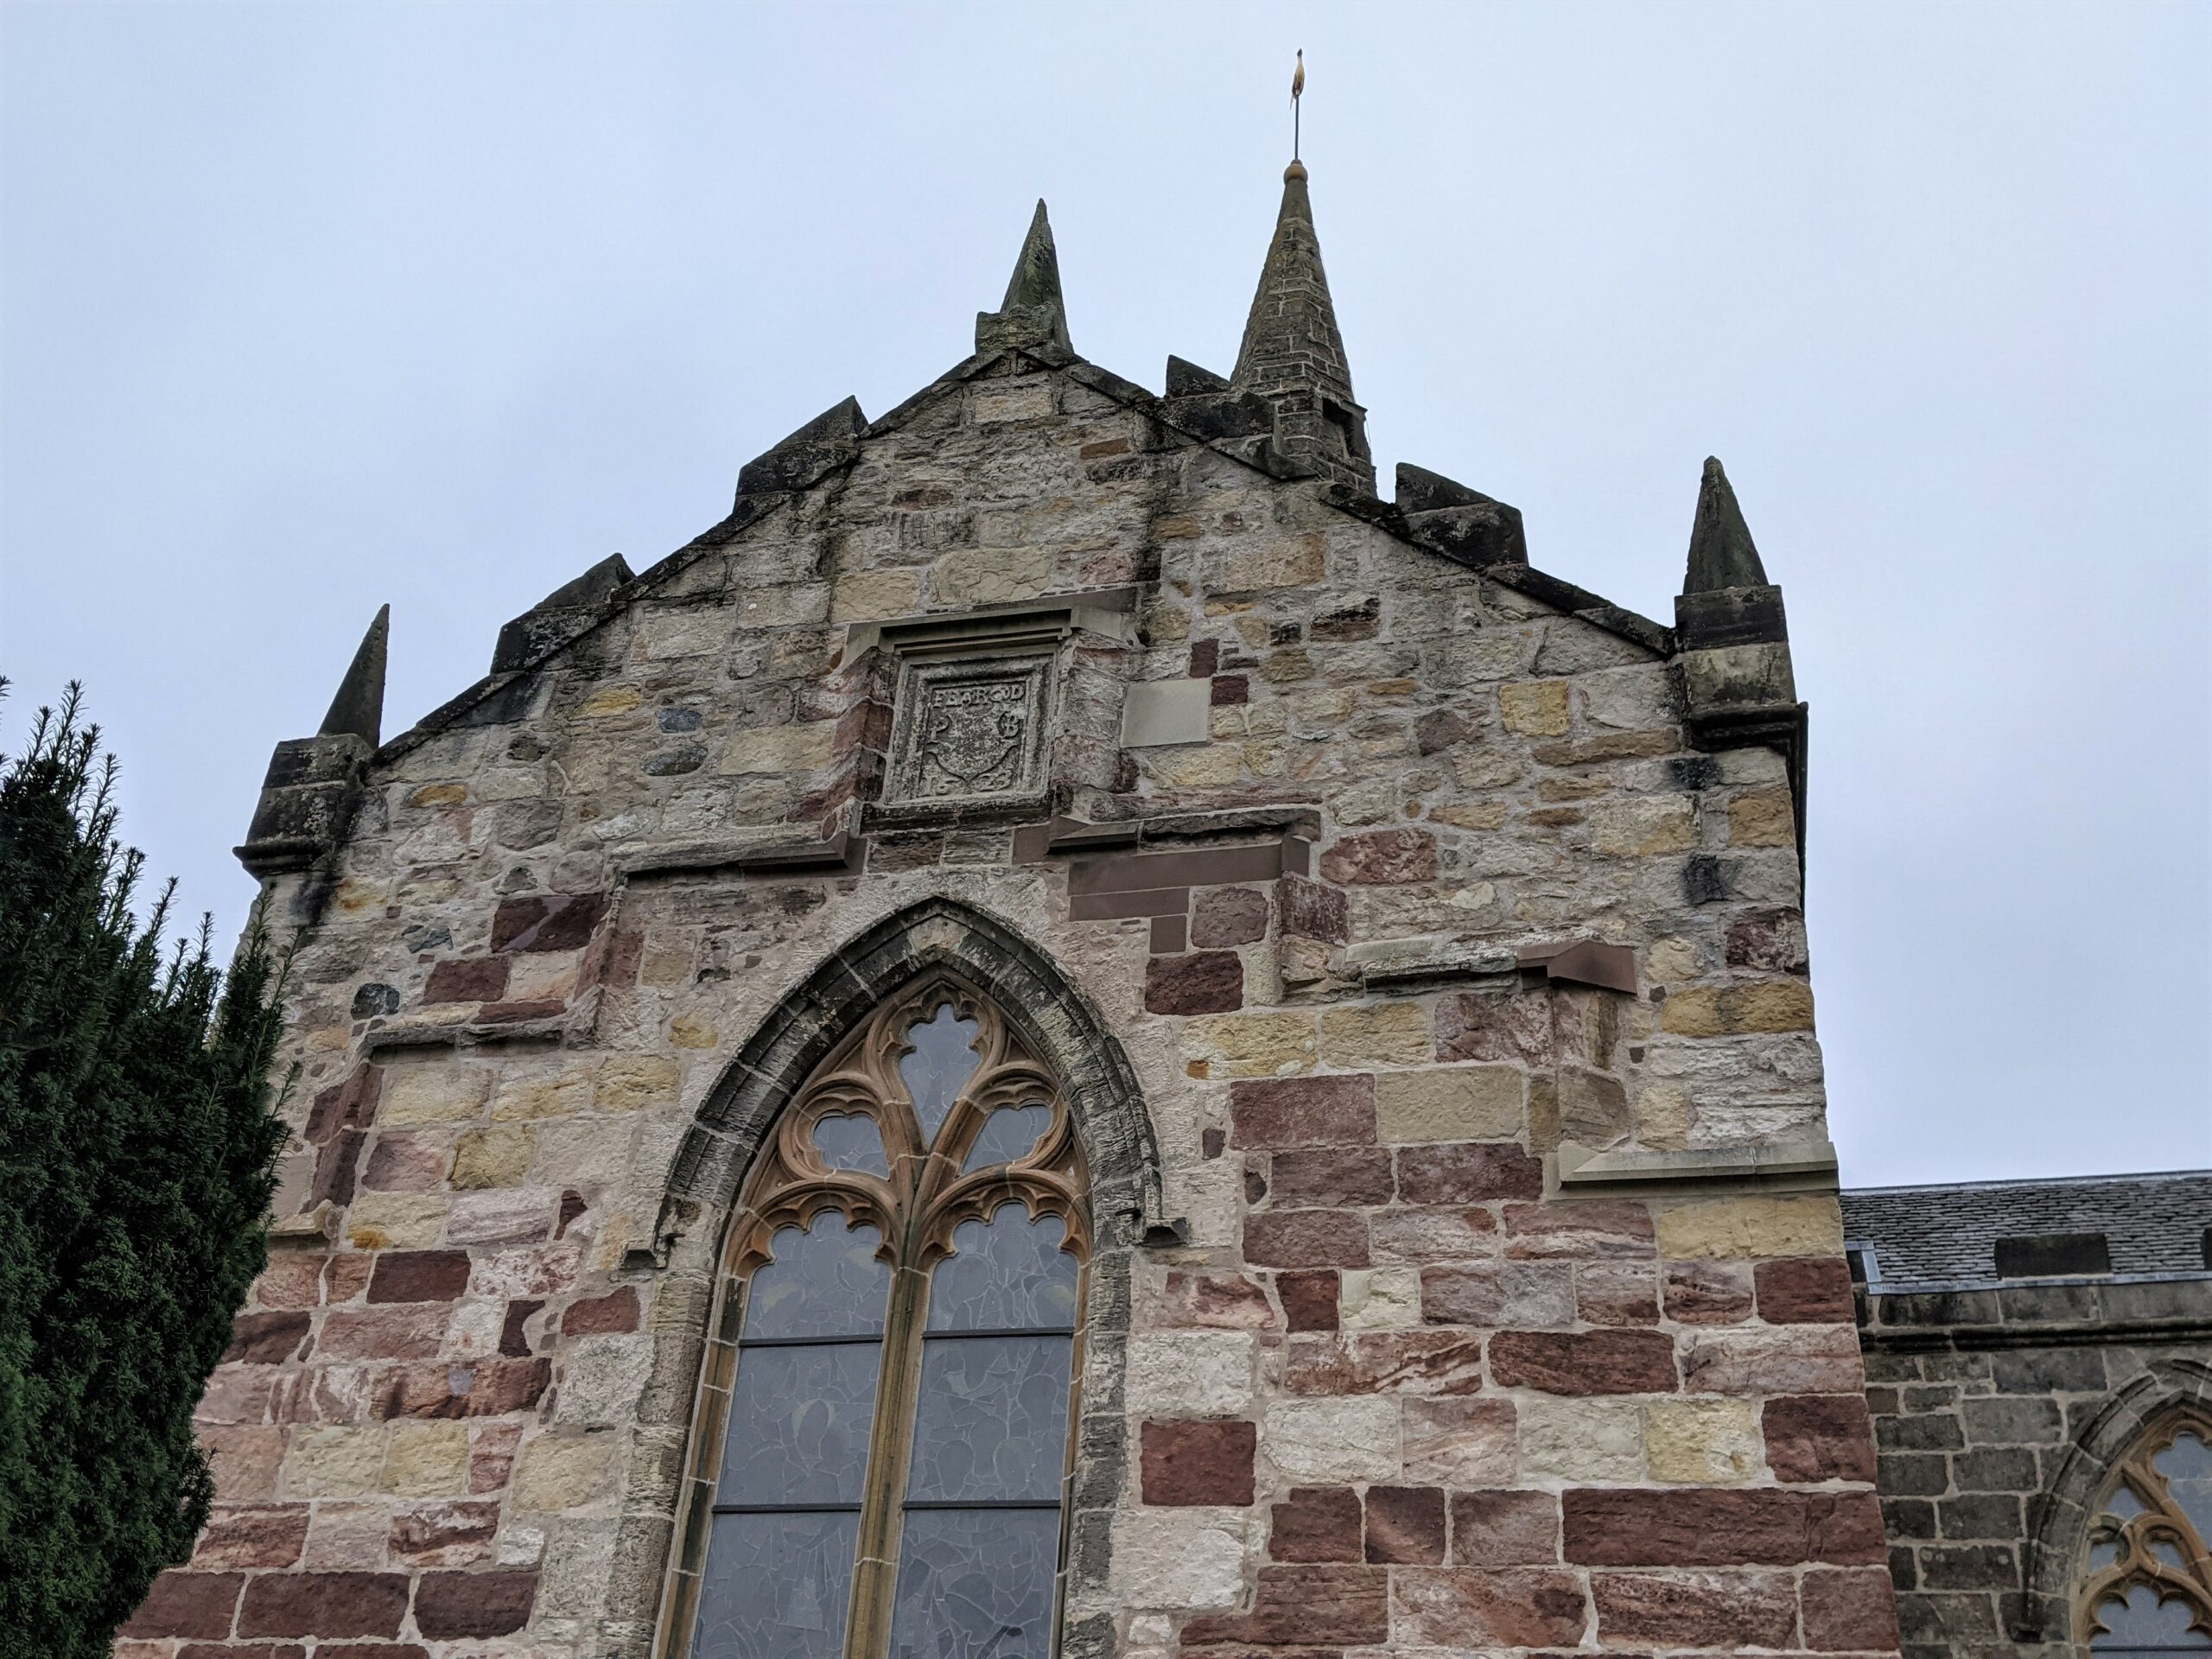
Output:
x=1303 y=1112
x=1302 y=1606
x=324 y=1604
x=1701 y=1442
x=1597 y=1362
x=1705 y=1610
x=1224 y=917
x=453 y=1605
x=1501 y=1607
x=1330 y=1440
x=1751 y=1227
x=1459 y=1441
x=1316 y=1523
x=1504 y=1529
x=1204 y=981
x=1459 y=1103
x=1382 y=857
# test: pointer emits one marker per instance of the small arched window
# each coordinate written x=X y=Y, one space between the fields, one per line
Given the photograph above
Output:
x=2147 y=1584
x=881 y=1450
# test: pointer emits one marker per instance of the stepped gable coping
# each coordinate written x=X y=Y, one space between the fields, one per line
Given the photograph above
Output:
x=751 y=507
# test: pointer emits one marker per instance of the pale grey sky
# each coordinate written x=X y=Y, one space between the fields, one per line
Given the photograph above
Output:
x=303 y=309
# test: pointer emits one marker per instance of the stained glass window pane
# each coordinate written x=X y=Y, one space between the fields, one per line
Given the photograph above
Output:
x=942 y=1061
x=798 y=1424
x=2186 y=1467
x=823 y=1282
x=975 y=1584
x=1011 y=1133
x=2123 y=1505
x=776 y=1586
x=1009 y=1275
x=849 y=1140
x=2141 y=1624
x=993 y=1420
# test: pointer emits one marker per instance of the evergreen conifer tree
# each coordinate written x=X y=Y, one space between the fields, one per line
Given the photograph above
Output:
x=136 y=1145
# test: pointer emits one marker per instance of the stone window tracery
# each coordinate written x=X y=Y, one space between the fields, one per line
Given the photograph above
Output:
x=881 y=1446
x=2146 y=1587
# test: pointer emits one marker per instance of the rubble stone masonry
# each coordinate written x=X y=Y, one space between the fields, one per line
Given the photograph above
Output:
x=1452 y=1293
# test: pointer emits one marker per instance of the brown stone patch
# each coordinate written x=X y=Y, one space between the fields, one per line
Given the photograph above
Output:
x=1504 y=1529
x=1197 y=1462
x=1309 y=1299
x=1468 y=1171
x=1819 y=1437
x=1719 y=1527
x=1305 y=1238
x=1304 y=1607
x=1381 y=858
x=1405 y=1525
x=188 y=1604
x=1204 y=981
x=1805 y=1290
x=324 y=1604
x=419 y=1276
x=1303 y=1111
x=1223 y=916
x=1465 y=1607
x=468 y=979
x=1595 y=1362
x=547 y=921
x=1495 y=1026
x=455 y=1604
x=1318 y=1523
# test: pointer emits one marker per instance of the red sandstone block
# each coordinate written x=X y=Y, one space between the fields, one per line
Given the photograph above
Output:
x=1505 y=1528
x=1494 y=1025
x=267 y=1339
x=1518 y=1295
x=1718 y=1526
x=1380 y=858
x=1393 y=1362
x=1805 y=1290
x=547 y=921
x=1303 y=1605
x=1329 y=1176
x=1696 y=1610
x=491 y=1455
x=1708 y=1292
x=1580 y=1230
x=1617 y=1293
x=410 y=1331
x=1790 y=1359
x=324 y=1604
x=1222 y=1301
x=251 y=1650
x=292 y=1279
x=483 y=1388
x=1463 y=1608
x=1405 y=1525
x=244 y=1458
x=253 y=1535
x=1594 y=1362
x=1468 y=1171
x=1849 y=1611
x=611 y=1314
x=468 y=979
x=239 y=1394
x=419 y=1276
x=514 y=1340
x=1309 y=1299
x=445 y=1533
x=1432 y=1235
x=1303 y=1112
x=188 y=1604
x=1305 y=1238
x=348 y=1105
x=345 y=1276
x=406 y=1163
x=1199 y=1462
x=1819 y=1437
x=453 y=1605
x=370 y=1650
x=1199 y=981
x=1311 y=910
x=1318 y=1523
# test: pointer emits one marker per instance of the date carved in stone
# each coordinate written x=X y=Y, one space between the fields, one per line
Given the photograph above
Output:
x=970 y=731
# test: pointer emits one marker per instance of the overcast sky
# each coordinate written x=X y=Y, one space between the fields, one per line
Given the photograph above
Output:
x=310 y=307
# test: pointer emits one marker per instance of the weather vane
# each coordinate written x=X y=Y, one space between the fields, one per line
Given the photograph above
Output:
x=1297 y=91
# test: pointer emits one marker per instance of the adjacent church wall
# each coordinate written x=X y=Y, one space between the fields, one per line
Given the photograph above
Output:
x=2001 y=1416
x=1367 y=1374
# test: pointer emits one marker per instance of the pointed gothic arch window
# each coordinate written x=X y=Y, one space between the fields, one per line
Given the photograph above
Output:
x=880 y=1450
x=2146 y=1584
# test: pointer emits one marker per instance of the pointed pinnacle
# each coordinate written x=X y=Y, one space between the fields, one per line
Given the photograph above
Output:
x=1722 y=554
x=1034 y=312
x=1291 y=332
x=358 y=709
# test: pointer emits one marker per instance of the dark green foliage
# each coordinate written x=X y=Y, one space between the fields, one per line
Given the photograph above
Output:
x=136 y=1143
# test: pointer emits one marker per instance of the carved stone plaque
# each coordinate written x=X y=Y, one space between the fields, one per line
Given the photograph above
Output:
x=970 y=731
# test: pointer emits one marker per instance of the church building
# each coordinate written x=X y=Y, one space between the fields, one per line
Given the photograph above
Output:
x=1072 y=1035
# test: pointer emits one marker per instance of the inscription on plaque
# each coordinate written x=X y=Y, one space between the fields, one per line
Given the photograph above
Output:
x=970 y=732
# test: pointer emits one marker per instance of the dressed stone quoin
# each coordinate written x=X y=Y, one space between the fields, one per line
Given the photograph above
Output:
x=1067 y=1034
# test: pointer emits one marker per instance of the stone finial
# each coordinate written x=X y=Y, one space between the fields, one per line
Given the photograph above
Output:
x=1293 y=354
x=1033 y=312
x=358 y=709
x=1721 y=551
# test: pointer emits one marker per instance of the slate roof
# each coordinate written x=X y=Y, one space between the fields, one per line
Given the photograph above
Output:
x=1921 y=1239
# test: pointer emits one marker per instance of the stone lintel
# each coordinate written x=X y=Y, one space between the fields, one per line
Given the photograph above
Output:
x=1806 y=1166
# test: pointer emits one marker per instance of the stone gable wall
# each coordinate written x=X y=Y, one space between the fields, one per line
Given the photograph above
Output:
x=1362 y=1379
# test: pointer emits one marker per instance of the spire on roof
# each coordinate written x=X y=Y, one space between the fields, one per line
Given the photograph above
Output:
x=1292 y=355
x=358 y=709
x=1721 y=551
x=1033 y=313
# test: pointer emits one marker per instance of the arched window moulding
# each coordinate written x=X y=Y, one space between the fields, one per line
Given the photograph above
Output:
x=1104 y=1129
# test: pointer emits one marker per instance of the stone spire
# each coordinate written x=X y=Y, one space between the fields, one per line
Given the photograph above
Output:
x=1033 y=313
x=1293 y=357
x=1721 y=551
x=358 y=709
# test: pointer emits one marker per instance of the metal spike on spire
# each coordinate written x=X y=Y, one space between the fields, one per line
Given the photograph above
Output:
x=1297 y=91
x=358 y=709
x=1033 y=313
x=1722 y=554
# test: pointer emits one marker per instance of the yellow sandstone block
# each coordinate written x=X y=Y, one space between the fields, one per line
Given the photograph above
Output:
x=1536 y=708
x=1459 y=1103
x=1251 y=1044
x=1390 y=1033
x=562 y=1472
x=427 y=1459
x=435 y=1091
x=487 y=1158
x=1701 y=1442
x=1811 y=1225
x=1762 y=820
x=1739 y=1010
